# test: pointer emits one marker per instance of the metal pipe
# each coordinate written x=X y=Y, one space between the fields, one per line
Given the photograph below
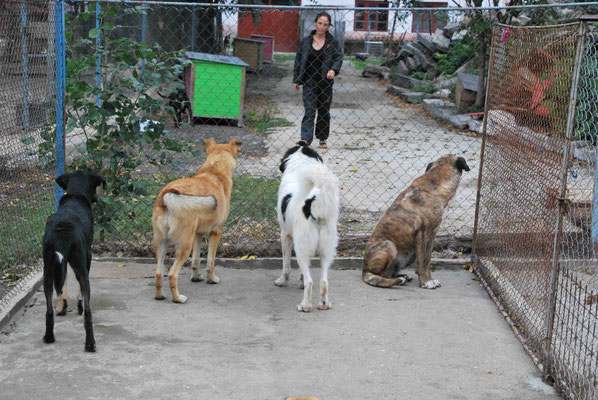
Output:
x=98 y=52
x=25 y=117
x=556 y=248
x=59 y=144
x=484 y=138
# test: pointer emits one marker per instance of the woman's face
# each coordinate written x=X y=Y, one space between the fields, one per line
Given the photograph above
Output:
x=322 y=25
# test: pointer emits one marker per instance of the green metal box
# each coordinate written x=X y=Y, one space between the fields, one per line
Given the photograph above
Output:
x=215 y=86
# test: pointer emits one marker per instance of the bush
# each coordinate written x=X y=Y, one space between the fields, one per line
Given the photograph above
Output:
x=459 y=52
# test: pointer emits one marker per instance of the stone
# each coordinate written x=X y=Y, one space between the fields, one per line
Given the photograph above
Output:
x=460 y=121
x=405 y=81
x=412 y=63
x=442 y=94
x=446 y=83
x=441 y=109
x=376 y=70
x=441 y=42
x=423 y=58
x=425 y=41
x=459 y=35
x=407 y=95
x=476 y=126
x=402 y=67
x=450 y=29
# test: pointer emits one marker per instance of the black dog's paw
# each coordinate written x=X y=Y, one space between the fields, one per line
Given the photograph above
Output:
x=80 y=307
x=90 y=347
x=49 y=338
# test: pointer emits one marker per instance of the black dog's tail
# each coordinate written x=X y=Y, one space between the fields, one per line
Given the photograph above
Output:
x=55 y=257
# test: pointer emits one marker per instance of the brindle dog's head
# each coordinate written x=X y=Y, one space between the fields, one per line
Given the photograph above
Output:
x=451 y=160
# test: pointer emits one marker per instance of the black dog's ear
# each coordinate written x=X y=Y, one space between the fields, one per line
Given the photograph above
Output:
x=63 y=180
x=461 y=164
x=428 y=167
x=97 y=180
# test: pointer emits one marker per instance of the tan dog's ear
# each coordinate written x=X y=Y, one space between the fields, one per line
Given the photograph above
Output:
x=208 y=143
x=235 y=144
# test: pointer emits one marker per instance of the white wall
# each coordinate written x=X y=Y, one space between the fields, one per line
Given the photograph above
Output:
x=403 y=23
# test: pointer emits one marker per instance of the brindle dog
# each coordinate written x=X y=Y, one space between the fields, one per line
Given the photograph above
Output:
x=406 y=232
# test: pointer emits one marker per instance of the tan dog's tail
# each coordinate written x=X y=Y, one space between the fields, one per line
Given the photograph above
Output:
x=380 y=281
x=176 y=202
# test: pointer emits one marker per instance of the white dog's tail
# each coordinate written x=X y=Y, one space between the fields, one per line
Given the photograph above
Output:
x=178 y=202
x=322 y=202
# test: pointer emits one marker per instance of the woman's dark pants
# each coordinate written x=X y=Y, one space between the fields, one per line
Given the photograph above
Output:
x=317 y=97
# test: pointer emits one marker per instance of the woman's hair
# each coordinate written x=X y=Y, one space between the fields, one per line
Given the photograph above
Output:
x=324 y=14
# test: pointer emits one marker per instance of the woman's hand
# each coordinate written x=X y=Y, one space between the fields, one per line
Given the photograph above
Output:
x=330 y=75
x=296 y=86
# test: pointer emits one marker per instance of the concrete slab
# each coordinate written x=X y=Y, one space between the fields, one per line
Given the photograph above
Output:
x=243 y=339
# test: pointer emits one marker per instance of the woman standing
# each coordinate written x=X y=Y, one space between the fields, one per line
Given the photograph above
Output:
x=317 y=62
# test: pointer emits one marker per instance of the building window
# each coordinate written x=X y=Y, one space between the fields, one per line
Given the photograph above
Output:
x=371 y=21
x=428 y=21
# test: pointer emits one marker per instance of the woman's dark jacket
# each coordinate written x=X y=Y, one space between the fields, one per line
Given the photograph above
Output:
x=333 y=58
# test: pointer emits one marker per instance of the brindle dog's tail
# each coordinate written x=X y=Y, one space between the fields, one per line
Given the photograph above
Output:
x=381 y=259
x=380 y=281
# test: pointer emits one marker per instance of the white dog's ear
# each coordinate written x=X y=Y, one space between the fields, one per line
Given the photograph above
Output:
x=208 y=143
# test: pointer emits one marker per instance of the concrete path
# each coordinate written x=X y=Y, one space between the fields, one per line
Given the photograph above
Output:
x=243 y=339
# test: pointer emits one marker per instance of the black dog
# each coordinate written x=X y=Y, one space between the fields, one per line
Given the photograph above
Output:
x=180 y=104
x=68 y=238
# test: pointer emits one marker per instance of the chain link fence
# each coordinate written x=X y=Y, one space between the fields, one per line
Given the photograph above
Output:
x=27 y=107
x=378 y=143
x=131 y=112
x=535 y=222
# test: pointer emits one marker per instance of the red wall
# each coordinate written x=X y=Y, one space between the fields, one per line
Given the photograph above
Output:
x=283 y=25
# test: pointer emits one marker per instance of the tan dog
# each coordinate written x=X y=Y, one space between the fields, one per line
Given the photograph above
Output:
x=187 y=208
x=406 y=232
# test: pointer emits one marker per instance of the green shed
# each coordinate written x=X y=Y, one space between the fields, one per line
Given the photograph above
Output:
x=215 y=86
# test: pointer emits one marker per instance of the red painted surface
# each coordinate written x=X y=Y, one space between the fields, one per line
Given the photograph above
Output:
x=282 y=25
x=268 y=46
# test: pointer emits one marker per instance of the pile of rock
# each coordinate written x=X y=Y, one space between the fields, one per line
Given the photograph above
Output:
x=435 y=92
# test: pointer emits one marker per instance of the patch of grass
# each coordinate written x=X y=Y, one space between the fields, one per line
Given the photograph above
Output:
x=459 y=52
x=22 y=230
x=283 y=57
x=425 y=87
x=360 y=65
x=263 y=122
x=253 y=198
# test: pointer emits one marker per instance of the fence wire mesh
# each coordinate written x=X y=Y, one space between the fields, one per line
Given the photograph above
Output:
x=536 y=191
x=26 y=101
x=377 y=142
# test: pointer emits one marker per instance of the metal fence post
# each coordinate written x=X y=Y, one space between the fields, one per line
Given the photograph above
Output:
x=484 y=138
x=193 y=27
x=556 y=248
x=25 y=117
x=98 y=52
x=60 y=41
x=145 y=8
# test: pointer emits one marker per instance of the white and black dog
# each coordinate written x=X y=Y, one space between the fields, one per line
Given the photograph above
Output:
x=308 y=207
